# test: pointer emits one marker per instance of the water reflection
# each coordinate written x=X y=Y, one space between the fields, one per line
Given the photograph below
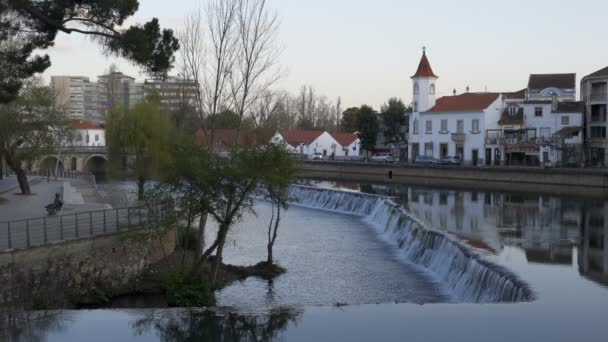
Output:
x=197 y=325
x=31 y=326
x=549 y=229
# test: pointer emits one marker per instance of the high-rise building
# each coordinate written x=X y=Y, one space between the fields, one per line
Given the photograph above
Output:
x=118 y=90
x=175 y=94
x=76 y=97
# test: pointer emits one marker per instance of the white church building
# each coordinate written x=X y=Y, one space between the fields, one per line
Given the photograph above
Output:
x=450 y=125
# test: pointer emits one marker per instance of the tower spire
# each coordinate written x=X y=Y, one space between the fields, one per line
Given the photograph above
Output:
x=424 y=68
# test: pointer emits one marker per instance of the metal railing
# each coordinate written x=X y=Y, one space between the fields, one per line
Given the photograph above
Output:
x=27 y=233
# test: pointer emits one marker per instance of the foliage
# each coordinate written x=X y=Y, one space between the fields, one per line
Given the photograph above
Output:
x=28 y=25
x=29 y=128
x=137 y=141
x=227 y=119
x=394 y=117
x=186 y=238
x=368 y=128
x=183 y=289
x=350 y=120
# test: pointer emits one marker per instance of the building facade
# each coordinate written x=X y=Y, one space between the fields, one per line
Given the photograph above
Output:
x=451 y=125
x=307 y=143
x=175 y=94
x=594 y=92
x=76 y=97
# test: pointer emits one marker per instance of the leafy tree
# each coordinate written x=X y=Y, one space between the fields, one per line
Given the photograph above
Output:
x=350 y=120
x=30 y=127
x=226 y=120
x=224 y=188
x=368 y=128
x=394 y=117
x=30 y=25
x=138 y=141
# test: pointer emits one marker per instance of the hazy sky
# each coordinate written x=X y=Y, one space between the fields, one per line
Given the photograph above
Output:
x=366 y=50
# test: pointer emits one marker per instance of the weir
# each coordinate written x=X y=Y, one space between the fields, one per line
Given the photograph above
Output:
x=462 y=272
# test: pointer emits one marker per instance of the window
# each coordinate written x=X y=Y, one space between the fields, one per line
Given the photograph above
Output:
x=598 y=132
x=429 y=127
x=475 y=125
x=443 y=198
x=80 y=137
x=428 y=149
x=415 y=126
x=460 y=126
x=96 y=137
x=513 y=110
x=538 y=112
x=545 y=132
x=565 y=120
x=444 y=126
x=415 y=106
x=87 y=138
x=432 y=89
x=416 y=88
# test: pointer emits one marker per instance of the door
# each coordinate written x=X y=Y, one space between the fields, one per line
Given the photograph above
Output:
x=475 y=157
x=460 y=151
x=415 y=151
x=444 y=150
x=488 y=156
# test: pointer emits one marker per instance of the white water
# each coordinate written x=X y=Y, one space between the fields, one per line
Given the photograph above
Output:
x=461 y=271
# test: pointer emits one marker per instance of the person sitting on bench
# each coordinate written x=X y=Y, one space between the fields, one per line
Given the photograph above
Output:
x=54 y=207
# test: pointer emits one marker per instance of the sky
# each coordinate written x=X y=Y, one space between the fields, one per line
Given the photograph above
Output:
x=365 y=51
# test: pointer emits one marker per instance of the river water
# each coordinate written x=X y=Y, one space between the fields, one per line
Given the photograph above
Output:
x=548 y=252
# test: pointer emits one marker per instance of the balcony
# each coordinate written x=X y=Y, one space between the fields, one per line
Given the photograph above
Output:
x=598 y=97
x=458 y=137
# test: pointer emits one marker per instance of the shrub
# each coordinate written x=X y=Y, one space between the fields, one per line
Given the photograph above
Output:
x=185 y=290
x=186 y=238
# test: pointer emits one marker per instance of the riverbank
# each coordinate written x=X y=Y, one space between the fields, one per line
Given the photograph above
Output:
x=577 y=182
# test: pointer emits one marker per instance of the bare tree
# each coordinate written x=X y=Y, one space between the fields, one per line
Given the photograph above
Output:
x=192 y=57
x=256 y=68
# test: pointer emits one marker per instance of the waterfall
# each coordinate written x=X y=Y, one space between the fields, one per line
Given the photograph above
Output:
x=463 y=272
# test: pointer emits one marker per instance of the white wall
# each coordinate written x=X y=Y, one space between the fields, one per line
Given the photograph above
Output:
x=324 y=143
x=80 y=137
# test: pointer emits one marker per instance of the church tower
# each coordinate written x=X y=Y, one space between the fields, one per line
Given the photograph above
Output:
x=424 y=85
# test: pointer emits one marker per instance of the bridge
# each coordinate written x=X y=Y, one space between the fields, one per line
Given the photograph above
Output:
x=85 y=159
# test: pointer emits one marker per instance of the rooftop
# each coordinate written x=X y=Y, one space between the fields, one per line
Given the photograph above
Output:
x=84 y=125
x=601 y=72
x=467 y=102
x=559 y=81
x=345 y=139
x=424 y=68
x=295 y=138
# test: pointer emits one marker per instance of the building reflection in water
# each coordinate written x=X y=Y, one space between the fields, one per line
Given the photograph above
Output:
x=549 y=229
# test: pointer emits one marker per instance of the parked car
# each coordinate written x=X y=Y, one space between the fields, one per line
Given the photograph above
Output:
x=383 y=157
x=451 y=160
x=426 y=160
x=317 y=156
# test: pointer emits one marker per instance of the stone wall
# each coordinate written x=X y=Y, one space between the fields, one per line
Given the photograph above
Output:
x=554 y=181
x=62 y=275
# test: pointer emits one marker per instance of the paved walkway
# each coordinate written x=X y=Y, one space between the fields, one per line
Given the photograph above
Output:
x=18 y=207
x=9 y=183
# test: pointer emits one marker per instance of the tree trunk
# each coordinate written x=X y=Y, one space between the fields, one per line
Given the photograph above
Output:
x=271 y=242
x=200 y=244
x=218 y=258
x=141 y=182
x=24 y=185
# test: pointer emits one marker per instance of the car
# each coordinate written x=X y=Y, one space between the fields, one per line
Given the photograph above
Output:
x=317 y=156
x=383 y=157
x=426 y=160
x=451 y=160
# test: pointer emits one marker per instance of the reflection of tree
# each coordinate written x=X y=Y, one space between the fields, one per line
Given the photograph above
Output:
x=30 y=326
x=210 y=325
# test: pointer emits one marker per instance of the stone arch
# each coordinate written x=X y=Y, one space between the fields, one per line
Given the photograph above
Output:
x=48 y=164
x=95 y=164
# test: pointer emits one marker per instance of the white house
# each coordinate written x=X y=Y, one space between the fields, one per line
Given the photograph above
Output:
x=542 y=124
x=451 y=125
x=594 y=91
x=88 y=134
x=307 y=143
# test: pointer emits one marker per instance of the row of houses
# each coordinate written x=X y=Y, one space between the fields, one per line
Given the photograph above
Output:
x=542 y=124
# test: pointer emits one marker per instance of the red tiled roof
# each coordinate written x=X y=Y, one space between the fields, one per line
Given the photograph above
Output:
x=225 y=138
x=424 y=68
x=84 y=125
x=295 y=138
x=464 y=102
x=345 y=139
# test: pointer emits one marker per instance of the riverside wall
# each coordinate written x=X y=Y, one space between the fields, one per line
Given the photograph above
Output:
x=80 y=271
x=578 y=182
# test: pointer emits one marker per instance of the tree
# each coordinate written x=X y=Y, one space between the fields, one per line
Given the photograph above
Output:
x=227 y=119
x=368 y=128
x=138 y=140
x=29 y=25
x=394 y=117
x=29 y=128
x=276 y=188
x=350 y=120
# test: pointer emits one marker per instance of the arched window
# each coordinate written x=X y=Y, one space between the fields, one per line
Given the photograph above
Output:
x=416 y=88
x=415 y=106
x=432 y=89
